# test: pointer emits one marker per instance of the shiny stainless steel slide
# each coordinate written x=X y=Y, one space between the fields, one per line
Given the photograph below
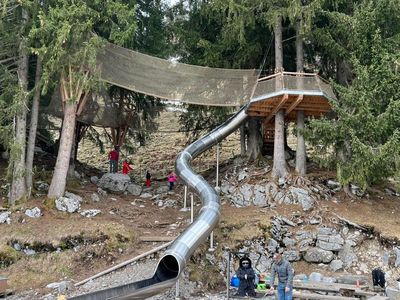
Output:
x=174 y=260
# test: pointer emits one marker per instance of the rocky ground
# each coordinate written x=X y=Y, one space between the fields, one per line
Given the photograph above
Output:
x=106 y=220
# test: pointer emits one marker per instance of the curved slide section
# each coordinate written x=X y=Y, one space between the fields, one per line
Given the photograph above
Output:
x=174 y=260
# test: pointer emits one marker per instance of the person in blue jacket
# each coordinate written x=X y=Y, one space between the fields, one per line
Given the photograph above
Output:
x=246 y=275
x=284 y=270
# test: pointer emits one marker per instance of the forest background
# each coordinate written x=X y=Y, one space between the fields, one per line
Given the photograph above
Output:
x=354 y=44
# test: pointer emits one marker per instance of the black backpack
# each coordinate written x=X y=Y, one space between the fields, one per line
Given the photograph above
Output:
x=378 y=277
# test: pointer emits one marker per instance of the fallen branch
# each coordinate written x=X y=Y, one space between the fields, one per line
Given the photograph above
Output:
x=123 y=264
x=351 y=223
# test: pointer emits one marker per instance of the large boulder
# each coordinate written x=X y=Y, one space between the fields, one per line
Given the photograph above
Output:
x=114 y=182
x=317 y=255
x=70 y=205
x=134 y=189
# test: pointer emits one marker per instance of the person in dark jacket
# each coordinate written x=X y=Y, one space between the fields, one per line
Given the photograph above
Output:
x=284 y=270
x=246 y=275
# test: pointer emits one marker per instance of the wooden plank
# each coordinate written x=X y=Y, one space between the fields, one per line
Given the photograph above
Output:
x=326 y=287
x=378 y=297
x=294 y=104
x=312 y=296
x=156 y=238
x=277 y=108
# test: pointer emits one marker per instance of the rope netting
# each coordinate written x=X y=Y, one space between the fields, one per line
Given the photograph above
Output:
x=165 y=79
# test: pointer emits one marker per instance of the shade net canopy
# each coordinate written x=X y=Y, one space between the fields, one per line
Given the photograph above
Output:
x=175 y=81
x=164 y=79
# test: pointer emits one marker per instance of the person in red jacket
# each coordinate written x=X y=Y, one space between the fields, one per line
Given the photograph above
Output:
x=113 y=157
x=126 y=167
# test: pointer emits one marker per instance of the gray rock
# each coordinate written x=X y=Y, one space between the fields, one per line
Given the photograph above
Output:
x=264 y=263
x=95 y=197
x=146 y=195
x=170 y=203
x=292 y=255
x=227 y=187
x=289 y=242
x=326 y=231
x=271 y=190
x=317 y=255
x=247 y=191
x=114 y=182
x=73 y=196
x=397 y=252
x=5 y=217
x=101 y=192
x=304 y=245
x=347 y=255
x=302 y=197
x=333 y=185
x=134 y=189
x=238 y=200
x=303 y=235
x=41 y=186
x=259 y=196
x=336 y=265
x=17 y=246
x=272 y=246
x=61 y=287
x=330 y=242
x=316 y=220
x=33 y=213
x=89 y=213
x=162 y=189
x=243 y=175
x=94 y=179
x=67 y=204
x=29 y=252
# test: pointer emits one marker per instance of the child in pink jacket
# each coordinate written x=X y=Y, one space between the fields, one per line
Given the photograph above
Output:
x=171 y=179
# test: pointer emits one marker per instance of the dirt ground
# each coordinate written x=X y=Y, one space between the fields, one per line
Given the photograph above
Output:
x=85 y=246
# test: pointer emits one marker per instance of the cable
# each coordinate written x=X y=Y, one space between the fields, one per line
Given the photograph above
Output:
x=265 y=56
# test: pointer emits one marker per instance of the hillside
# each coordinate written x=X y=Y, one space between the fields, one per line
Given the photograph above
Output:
x=60 y=246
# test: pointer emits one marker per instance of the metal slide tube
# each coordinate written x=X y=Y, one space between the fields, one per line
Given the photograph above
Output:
x=173 y=262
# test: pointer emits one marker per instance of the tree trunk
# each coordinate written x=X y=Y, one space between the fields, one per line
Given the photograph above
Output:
x=301 y=167
x=279 y=169
x=71 y=167
x=278 y=46
x=58 y=182
x=242 y=141
x=301 y=146
x=254 y=142
x=33 y=127
x=18 y=186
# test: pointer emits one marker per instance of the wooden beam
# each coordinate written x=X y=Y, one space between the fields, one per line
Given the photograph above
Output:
x=313 y=296
x=294 y=104
x=277 y=108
